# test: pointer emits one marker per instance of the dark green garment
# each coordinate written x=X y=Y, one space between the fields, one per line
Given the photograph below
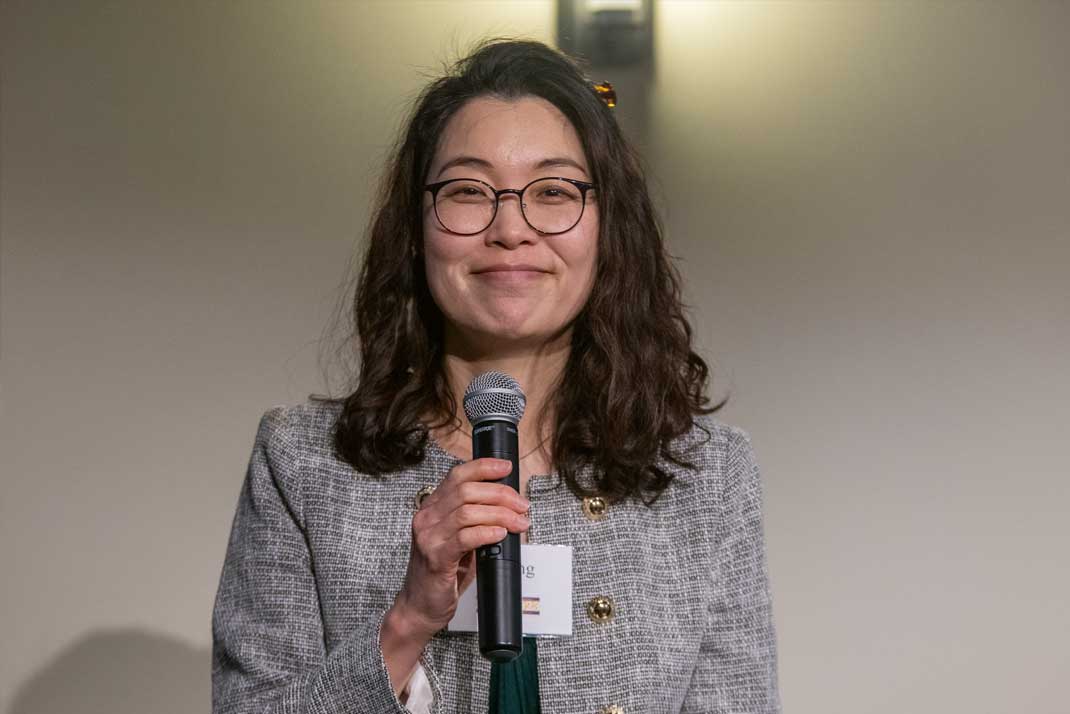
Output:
x=514 y=686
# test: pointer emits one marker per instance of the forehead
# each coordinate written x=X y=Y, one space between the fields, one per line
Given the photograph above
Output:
x=509 y=135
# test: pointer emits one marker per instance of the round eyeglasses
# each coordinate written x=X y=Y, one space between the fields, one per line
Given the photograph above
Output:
x=549 y=205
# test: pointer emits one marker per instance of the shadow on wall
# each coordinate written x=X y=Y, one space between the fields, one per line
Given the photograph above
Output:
x=121 y=672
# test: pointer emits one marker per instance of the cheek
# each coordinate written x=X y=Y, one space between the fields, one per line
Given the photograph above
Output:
x=581 y=257
x=436 y=268
x=586 y=260
x=584 y=273
x=444 y=258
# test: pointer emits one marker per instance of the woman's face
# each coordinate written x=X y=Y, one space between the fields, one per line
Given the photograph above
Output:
x=509 y=285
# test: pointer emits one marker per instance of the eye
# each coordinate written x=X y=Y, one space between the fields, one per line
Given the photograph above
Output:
x=555 y=192
x=465 y=192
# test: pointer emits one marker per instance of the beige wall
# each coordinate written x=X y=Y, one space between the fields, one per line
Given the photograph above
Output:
x=870 y=203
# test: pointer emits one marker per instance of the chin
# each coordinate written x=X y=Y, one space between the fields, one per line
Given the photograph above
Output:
x=505 y=334
x=512 y=333
x=505 y=324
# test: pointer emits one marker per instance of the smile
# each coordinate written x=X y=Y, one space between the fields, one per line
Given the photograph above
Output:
x=511 y=275
x=504 y=268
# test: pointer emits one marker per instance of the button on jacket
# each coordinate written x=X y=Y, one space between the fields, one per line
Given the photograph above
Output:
x=318 y=551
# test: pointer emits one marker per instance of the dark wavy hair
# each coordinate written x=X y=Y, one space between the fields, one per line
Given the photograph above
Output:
x=632 y=382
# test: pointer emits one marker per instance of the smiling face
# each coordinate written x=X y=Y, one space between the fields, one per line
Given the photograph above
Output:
x=509 y=286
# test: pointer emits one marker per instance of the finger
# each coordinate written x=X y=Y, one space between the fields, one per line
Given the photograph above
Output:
x=451 y=500
x=469 y=539
x=474 y=514
x=431 y=532
x=477 y=471
x=481 y=492
x=443 y=551
x=485 y=469
x=445 y=543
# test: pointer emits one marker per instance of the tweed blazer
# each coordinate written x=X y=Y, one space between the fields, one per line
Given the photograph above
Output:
x=318 y=551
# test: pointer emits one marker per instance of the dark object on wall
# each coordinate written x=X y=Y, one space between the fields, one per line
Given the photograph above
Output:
x=607 y=33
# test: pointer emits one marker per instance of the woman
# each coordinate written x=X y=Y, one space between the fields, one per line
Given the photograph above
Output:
x=514 y=233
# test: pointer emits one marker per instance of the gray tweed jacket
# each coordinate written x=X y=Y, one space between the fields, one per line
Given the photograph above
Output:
x=318 y=551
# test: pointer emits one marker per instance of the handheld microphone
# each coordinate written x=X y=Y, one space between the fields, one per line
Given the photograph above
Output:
x=494 y=404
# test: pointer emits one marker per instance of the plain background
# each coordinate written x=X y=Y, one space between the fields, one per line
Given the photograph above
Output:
x=870 y=203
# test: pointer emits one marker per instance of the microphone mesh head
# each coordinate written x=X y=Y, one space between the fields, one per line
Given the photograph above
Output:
x=494 y=395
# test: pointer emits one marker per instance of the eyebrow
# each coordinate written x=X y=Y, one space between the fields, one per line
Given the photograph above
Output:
x=552 y=162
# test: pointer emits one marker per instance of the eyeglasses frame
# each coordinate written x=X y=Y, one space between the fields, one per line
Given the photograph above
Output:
x=583 y=186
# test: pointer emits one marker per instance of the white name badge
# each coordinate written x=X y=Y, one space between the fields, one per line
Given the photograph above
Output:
x=545 y=588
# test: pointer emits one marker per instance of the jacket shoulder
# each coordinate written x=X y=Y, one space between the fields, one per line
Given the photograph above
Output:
x=709 y=438
x=306 y=427
x=292 y=436
x=710 y=455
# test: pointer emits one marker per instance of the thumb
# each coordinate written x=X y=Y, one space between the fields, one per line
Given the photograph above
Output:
x=466 y=572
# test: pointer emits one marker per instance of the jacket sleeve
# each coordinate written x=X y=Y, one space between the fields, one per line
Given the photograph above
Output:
x=737 y=668
x=268 y=653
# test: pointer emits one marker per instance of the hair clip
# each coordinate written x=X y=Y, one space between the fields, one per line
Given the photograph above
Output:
x=606 y=93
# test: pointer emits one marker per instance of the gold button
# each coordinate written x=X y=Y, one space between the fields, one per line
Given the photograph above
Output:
x=421 y=495
x=611 y=709
x=595 y=507
x=600 y=609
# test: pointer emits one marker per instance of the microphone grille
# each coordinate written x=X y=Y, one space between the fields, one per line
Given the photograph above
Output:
x=494 y=394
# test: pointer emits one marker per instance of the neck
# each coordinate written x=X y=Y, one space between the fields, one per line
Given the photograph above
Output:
x=537 y=369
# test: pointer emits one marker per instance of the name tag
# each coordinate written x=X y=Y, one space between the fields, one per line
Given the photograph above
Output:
x=545 y=588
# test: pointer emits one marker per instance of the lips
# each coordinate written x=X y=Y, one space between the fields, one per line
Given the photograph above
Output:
x=509 y=268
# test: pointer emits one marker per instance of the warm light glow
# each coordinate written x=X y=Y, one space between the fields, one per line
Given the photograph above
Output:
x=614 y=4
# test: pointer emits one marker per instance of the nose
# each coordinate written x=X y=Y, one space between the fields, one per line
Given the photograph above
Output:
x=509 y=228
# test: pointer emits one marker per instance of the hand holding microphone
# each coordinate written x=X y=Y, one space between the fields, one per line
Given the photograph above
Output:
x=465 y=512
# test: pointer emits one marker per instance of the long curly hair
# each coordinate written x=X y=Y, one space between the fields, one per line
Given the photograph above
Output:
x=632 y=382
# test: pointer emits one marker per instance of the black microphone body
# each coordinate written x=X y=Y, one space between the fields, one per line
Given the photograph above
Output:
x=498 y=565
x=494 y=404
